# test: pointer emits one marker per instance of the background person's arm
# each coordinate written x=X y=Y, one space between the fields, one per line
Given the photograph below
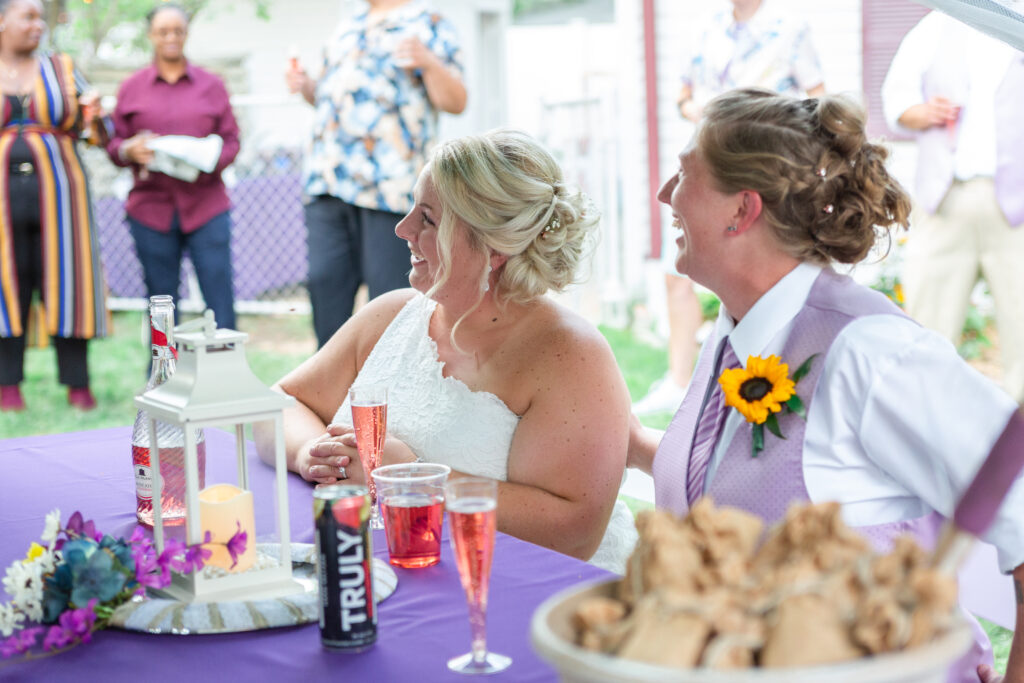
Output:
x=444 y=86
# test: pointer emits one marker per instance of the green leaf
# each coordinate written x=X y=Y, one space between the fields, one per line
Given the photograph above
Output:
x=796 y=405
x=757 y=438
x=804 y=368
x=772 y=423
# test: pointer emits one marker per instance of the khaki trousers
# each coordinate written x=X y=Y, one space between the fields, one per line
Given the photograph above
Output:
x=968 y=237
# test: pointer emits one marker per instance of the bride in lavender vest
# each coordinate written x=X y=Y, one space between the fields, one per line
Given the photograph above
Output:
x=769 y=194
x=484 y=373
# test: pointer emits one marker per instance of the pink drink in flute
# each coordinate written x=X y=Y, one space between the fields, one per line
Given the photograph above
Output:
x=472 y=513
x=369 y=421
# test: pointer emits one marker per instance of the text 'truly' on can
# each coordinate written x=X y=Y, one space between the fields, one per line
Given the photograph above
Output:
x=348 y=610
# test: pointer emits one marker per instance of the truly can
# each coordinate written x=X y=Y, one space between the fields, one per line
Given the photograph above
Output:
x=348 y=610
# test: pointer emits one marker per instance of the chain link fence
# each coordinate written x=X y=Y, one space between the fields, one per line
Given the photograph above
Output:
x=268 y=238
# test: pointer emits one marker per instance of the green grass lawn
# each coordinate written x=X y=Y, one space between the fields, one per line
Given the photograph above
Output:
x=119 y=366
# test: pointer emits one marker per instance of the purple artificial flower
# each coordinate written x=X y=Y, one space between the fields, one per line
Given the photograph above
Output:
x=196 y=555
x=56 y=638
x=78 y=623
x=20 y=642
x=148 y=572
x=82 y=528
x=169 y=558
x=237 y=544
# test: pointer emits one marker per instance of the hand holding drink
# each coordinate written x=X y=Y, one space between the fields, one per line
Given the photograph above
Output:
x=472 y=505
x=294 y=76
x=369 y=421
x=90 y=105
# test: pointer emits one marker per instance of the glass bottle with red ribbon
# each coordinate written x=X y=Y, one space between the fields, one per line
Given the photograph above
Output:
x=170 y=439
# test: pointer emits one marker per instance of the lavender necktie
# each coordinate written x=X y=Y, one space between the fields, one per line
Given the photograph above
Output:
x=709 y=424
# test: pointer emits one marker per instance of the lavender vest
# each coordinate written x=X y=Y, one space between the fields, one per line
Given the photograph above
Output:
x=768 y=484
x=935 y=149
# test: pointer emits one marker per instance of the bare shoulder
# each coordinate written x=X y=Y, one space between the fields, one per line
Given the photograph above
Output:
x=373 y=318
x=562 y=343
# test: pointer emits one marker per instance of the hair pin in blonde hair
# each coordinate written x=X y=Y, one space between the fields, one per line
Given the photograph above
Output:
x=822 y=173
x=555 y=224
x=829 y=208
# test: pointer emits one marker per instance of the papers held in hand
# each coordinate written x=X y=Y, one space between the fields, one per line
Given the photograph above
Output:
x=183 y=156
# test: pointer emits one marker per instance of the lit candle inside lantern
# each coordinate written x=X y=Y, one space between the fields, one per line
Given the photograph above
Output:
x=222 y=508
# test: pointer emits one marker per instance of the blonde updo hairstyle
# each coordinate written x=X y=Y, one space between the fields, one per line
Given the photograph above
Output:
x=510 y=194
x=824 y=188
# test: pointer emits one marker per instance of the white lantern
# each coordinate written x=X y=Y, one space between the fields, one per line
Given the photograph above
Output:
x=214 y=386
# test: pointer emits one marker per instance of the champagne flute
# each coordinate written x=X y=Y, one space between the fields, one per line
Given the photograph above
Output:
x=472 y=505
x=369 y=421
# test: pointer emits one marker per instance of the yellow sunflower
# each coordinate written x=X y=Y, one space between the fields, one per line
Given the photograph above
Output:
x=759 y=389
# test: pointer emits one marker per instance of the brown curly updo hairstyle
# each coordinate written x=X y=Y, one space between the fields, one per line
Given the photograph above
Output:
x=825 y=190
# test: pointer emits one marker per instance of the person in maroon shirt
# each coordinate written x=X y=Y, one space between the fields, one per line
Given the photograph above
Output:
x=167 y=215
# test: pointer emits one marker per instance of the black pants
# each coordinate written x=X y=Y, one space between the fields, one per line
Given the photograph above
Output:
x=349 y=246
x=72 y=366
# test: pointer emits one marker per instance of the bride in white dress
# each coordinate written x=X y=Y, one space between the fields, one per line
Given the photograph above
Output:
x=484 y=372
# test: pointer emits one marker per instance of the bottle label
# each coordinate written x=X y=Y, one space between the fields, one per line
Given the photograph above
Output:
x=143 y=482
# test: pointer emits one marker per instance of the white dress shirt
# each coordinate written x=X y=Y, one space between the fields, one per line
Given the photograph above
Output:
x=974 y=65
x=898 y=424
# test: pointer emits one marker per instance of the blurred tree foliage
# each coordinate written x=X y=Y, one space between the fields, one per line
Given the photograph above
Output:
x=521 y=6
x=86 y=24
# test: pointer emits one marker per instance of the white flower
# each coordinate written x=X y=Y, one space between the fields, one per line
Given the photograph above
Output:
x=24 y=583
x=33 y=608
x=52 y=526
x=15 y=575
x=10 y=619
x=46 y=562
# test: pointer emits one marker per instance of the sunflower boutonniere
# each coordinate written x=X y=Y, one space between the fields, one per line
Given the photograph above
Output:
x=762 y=389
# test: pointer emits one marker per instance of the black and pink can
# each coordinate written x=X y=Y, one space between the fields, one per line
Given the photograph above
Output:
x=348 y=611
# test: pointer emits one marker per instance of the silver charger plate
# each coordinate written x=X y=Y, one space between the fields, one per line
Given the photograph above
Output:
x=166 y=616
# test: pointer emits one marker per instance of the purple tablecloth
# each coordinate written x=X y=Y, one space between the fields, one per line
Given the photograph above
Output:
x=420 y=626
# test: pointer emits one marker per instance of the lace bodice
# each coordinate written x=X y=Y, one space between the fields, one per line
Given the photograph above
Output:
x=442 y=420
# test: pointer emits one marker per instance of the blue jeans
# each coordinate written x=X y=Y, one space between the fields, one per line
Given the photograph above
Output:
x=209 y=248
x=348 y=246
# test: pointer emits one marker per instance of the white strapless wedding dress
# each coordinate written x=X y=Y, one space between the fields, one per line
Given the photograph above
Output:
x=443 y=421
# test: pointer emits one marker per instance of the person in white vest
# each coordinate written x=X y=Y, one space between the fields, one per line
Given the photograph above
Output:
x=962 y=94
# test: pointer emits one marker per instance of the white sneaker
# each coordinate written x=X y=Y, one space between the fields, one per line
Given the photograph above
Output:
x=664 y=397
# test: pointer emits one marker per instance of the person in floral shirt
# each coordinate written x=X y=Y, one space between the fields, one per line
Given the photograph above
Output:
x=386 y=74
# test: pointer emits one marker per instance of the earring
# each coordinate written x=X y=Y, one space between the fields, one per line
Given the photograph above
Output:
x=487 y=278
x=731 y=228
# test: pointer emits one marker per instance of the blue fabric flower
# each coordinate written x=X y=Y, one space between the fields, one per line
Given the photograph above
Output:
x=56 y=593
x=97 y=577
x=121 y=550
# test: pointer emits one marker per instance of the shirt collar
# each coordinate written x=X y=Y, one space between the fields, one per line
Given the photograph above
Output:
x=154 y=74
x=770 y=314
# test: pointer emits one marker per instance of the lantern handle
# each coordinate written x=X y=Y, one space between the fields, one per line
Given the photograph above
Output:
x=207 y=324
